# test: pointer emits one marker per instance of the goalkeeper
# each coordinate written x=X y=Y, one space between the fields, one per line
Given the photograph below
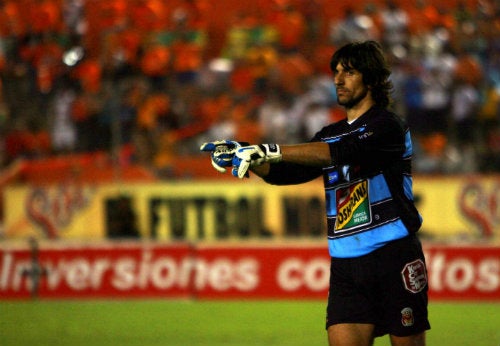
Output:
x=378 y=277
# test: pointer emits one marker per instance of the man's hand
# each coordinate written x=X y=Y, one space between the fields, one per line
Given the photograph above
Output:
x=222 y=152
x=254 y=155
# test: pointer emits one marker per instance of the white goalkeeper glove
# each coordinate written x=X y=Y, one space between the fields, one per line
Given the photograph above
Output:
x=254 y=155
x=222 y=152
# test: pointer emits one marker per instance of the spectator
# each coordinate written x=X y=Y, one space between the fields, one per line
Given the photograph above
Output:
x=291 y=28
x=269 y=51
x=413 y=100
x=63 y=131
x=272 y=115
x=436 y=84
x=37 y=140
x=85 y=113
x=353 y=27
x=464 y=129
x=156 y=64
x=237 y=39
x=489 y=129
x=394 y=22
x=14 y=141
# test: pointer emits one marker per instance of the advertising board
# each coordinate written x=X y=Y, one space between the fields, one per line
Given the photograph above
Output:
x=231 y=271
x=452 y=208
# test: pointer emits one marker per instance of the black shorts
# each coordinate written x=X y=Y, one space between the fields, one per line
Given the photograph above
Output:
x=387 y=288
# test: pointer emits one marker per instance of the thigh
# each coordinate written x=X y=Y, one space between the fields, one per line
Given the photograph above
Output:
x=352 y=334
x=412 y=340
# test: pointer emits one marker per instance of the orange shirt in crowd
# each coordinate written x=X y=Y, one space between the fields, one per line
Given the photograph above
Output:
x=45 y=16
x=12 y=19
x=89 y=73
x=156 y=61
x=468 y=69
x=154 y=106
x=241 y=79
x=422 y=18
x=124 y=43
x=248 y=127
x=187 y=56
x=32 y=143
x=291 y=28
x=292 y=70
x=149 y=15
x=37 y=143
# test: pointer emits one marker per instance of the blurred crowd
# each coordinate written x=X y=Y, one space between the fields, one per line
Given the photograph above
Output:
x=149 y=80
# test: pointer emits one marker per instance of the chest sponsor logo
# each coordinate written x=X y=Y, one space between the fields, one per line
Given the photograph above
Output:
x=353 y=207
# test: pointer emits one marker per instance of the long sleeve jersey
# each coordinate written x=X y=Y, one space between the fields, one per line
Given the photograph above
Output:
x=368 y=186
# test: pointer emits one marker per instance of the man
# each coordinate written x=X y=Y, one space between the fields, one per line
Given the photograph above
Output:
x=378 y=282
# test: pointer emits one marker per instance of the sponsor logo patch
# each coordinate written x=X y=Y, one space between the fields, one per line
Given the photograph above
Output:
x=333 y=177
x=407 y=317
x=353 y=207
x=414 y=276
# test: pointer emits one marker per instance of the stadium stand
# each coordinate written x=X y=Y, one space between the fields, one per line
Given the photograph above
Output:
x=151 y=80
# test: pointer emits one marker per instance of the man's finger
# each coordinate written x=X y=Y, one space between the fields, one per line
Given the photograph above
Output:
x=210 y=146
x=243 y=168
x=217 y=167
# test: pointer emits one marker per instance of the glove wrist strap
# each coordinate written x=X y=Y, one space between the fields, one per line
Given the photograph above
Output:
x=272 y=151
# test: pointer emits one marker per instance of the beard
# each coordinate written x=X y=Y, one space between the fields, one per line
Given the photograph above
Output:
x=351 y=101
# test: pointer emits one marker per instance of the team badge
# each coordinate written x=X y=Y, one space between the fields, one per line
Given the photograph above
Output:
x=414 y=276
x=407 y=317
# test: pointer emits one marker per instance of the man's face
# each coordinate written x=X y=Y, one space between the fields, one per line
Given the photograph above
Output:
x=350 y=87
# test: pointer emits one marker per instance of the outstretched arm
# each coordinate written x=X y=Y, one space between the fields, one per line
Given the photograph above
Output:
x=315 y=154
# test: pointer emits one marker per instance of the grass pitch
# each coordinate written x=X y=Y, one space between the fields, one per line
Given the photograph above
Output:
x=220 y=323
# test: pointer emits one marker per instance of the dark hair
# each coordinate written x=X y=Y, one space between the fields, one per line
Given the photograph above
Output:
x=367 y=57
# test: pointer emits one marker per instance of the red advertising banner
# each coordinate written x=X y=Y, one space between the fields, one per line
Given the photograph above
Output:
x=463 y=272
x=278 y=272
x=284 y=271
x=106 y=270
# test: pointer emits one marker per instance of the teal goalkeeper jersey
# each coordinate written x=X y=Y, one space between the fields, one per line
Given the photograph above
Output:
x=368 y=186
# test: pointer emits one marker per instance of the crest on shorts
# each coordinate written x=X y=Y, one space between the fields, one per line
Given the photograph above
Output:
x=407 y=317
x=414 y=276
